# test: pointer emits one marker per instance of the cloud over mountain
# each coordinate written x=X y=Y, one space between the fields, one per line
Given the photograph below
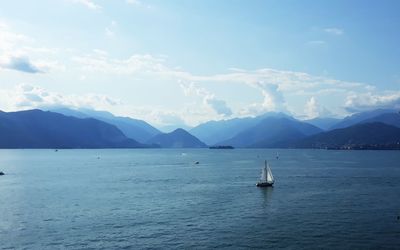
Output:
x=217 y=105
x=366 y=101
x=26 y=96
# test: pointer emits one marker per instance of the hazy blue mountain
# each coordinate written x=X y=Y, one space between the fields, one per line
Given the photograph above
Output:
x=359 y=117
x=213 y=132
x=70 y=112
x=170 y=128
x=39 y=129
x=323 y=123
x=135 y=129
x=272 y=132
x=357 y=135
x=388 y=118
x=178 y=138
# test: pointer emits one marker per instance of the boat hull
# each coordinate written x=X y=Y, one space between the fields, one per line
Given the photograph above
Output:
x=264 y=184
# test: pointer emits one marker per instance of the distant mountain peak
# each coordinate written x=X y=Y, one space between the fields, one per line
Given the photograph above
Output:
x=179 y=131
x=179 y=138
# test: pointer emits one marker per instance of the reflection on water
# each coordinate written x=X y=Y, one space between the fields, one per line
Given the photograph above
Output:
x=266 y=194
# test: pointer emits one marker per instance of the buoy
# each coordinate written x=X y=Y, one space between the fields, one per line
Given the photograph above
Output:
x=196 y=162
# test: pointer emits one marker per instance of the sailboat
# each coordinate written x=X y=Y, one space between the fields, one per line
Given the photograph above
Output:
x=267 y=179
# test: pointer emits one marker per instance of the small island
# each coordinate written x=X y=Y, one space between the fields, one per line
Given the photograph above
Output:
x=221 y=147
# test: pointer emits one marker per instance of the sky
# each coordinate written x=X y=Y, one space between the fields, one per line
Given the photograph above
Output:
x=187 y=62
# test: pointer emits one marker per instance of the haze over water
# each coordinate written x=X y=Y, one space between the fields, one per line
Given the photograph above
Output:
x=160 y=199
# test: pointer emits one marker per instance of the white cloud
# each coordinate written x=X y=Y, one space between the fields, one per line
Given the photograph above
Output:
x=20 y=64
x=218 y=105
x=312 y=108
x=88 y=3
x=209 y=100
x=287 y=81
x=26 y=96
x=17 y=52
x=334 y=31
x=272 y=84
x=166 y=118
x=96 y=62
x=357 y=102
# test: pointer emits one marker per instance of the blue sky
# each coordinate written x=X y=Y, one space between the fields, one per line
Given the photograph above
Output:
x=186 y=62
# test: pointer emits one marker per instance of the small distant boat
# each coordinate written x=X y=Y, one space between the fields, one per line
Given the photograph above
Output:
x=1 y=173
x=277 y=155
x=267 y=179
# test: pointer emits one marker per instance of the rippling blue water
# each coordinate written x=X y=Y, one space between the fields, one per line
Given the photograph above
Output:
x=161 y=199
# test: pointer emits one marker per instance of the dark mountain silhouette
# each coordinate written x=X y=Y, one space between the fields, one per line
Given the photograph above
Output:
x=272 y=132
x=367 y=135
x=39 y=129
x=213 y=132
x=178 y=138
x=388 y=118
x=359 y=117
x=324 y=123
x=135 y=129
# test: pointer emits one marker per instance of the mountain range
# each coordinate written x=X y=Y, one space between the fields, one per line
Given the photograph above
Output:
x=215 y=132
x=375 y=135
x=360 y=117
x=135 y=129
x=85 y=128
x=271 y=131
x=39 y=129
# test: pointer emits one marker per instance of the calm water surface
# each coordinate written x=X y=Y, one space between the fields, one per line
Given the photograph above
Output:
x=159 y=199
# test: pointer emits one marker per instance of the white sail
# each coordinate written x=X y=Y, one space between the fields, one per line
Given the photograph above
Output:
x=264 y=174
x=270 y=177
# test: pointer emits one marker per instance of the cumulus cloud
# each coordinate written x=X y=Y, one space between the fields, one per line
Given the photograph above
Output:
x=217 y=105
x=273 y=100
x=334 y=31
x=17 y=52
x=26 y=96
x=311 y=109
x=273 y=84
x=167 y=118
x=21 y=64
x=314 y=109
x=356 y=102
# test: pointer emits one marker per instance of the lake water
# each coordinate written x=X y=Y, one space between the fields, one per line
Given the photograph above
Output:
x=146 y=199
